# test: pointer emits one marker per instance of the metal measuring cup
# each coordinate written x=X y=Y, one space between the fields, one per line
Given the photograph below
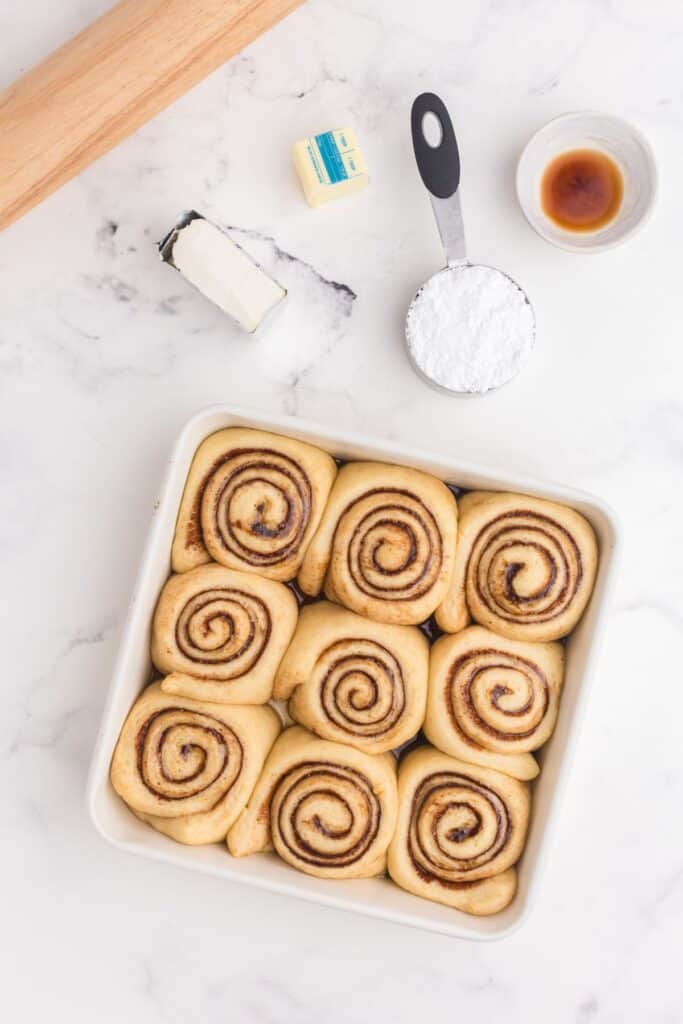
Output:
x=439 y=167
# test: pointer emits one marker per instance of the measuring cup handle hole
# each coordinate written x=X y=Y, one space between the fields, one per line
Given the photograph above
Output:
x=435 y=146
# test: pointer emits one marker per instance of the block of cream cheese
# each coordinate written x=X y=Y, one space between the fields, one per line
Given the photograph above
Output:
x=221 y=270
x=330 y=165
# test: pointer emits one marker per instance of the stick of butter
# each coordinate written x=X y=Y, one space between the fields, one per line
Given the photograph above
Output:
x=330 y=165
x=220 y=269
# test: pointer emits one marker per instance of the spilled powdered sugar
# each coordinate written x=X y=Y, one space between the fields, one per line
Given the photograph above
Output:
x=470 y=328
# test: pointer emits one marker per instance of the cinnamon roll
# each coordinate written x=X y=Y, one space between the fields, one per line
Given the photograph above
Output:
x=525 y=567
x=460 y=830
x=188 y=767
x=353 y=680
x=492 y=700
x=222 y=634
x=328 y=809
x=252 y=501
x=385 y=546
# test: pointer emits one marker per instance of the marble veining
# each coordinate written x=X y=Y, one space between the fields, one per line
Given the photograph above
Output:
x=105 y=352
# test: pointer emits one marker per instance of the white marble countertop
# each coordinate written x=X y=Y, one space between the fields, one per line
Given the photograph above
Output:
x=104 y=353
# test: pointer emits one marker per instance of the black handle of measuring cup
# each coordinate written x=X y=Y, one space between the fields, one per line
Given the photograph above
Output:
x=439 y=166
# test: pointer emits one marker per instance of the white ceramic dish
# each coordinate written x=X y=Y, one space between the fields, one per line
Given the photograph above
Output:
x=376 y=897
x=589 y=130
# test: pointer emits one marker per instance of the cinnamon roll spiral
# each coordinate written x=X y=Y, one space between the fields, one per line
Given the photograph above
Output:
x=222 y=634
x=252 y=501
x=525 y=567
x=460 y=830
x=492 y=700
x=385 y=545
x=188 y=767
x=353 y=680
x=328 y=809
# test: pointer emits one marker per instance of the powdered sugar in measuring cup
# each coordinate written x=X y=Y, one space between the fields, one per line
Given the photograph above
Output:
x=470 y=327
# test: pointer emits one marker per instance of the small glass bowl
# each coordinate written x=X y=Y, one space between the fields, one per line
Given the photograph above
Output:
x=587 y=130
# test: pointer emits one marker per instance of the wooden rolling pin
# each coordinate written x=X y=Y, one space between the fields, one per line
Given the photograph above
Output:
x=106 y=82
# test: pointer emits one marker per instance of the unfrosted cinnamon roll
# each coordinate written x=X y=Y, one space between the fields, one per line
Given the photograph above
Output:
x=460 y=830
x=328 y=809
x=525 y=567
x=188 y=767
x=493 y=700
x=354 y=680
x=252 y=501
x=386 y=543
x=222 y=634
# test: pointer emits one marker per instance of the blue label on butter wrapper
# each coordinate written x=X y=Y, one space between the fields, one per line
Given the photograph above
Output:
x=331 y=157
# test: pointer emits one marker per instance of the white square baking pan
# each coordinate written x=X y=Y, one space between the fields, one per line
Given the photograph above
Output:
x=375 y=897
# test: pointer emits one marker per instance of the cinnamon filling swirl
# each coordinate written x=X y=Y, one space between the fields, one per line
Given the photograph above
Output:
x=525 y=566
x=325 y=815
x=362 y=689
x=258 y=502
x=494 y=694
x=458 y=825
x=183 y=754
x=395 y=548
x=223 y=627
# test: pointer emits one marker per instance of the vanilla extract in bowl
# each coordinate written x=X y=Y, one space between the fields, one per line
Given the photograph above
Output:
x=582 y=190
